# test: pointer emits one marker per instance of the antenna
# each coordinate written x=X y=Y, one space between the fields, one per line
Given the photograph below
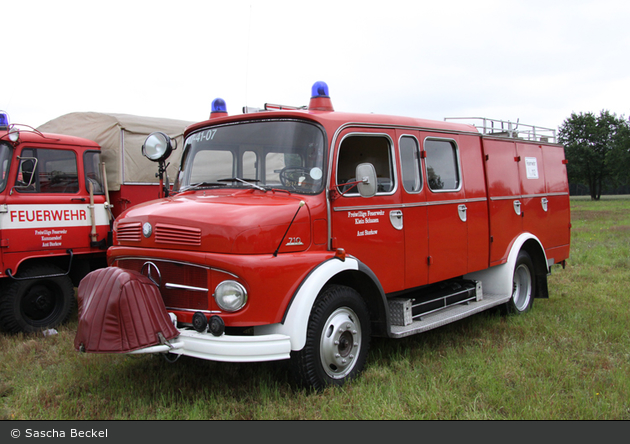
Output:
x=249 y=32
x=275 y=253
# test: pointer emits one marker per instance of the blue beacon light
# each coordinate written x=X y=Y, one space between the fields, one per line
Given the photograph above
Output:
x=4 y=120
x=218 y=108
x=320 y=100
x=319 y=89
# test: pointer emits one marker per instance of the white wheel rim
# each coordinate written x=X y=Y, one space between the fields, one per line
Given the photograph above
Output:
x=340 y=343
x=522 y=287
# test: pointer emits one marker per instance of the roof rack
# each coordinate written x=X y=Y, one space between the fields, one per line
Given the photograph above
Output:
x=271 y=107
x=505 y=128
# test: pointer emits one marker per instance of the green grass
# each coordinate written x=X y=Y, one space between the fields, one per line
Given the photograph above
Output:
x=569 y=358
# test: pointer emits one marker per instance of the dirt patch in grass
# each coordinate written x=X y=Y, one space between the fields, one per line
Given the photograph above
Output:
x=587 y=215
x=620 y=228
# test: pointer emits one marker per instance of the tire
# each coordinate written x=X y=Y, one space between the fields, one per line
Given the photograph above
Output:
x=35 y=304
x=337 y=340
x=523 y=285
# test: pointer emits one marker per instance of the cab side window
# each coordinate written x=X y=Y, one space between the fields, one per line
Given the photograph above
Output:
x=357 y=149
x=410 y=164
x=93 y=172
x=442 y=165
x=47 y=171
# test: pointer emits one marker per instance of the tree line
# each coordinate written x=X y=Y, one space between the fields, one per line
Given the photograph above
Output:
x=597 y=148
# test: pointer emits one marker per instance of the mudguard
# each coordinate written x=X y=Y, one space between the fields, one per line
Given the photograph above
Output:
x=120 y=311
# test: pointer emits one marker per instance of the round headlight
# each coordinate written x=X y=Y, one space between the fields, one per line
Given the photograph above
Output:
x=230 y=296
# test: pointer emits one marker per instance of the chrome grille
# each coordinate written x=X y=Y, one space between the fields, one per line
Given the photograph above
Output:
x=181 y=284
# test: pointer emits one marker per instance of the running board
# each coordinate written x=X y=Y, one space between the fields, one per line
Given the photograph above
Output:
x=447 y=315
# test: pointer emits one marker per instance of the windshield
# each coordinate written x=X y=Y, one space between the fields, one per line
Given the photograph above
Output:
x=273 y=154
x=5 y=161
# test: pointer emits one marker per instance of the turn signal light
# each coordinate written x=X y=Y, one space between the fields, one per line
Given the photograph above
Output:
x=340 y=254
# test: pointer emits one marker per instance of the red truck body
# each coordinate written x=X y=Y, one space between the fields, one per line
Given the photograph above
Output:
x=299 y=233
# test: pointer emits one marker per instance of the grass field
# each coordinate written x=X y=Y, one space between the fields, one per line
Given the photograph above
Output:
x=569 y=358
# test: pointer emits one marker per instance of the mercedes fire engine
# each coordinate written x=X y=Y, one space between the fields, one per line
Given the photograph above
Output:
x=300 y=233
x=55 y=207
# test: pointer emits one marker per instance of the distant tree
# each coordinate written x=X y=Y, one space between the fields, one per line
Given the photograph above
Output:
x=596 y=148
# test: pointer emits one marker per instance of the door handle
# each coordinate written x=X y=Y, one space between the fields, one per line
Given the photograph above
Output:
x=396 y=218
x=462 y=211
x=517 y=207
x=544 y=202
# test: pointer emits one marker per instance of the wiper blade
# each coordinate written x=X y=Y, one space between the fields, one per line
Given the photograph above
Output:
x=247 y=182
x=202 y=185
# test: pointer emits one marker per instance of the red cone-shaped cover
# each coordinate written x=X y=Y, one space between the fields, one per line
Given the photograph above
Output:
x=120 y=311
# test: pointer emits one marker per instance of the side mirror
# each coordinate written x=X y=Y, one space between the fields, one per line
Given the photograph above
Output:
x=26 y=173
x=366 y=179
x=158 y=146
x=28 y=167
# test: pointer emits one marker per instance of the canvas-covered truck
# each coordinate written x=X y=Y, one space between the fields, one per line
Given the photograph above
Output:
x=300 y=233
x=61 y=185
x=131 y=177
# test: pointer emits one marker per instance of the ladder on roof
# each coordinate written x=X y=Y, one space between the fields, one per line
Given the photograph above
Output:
x=505 y=128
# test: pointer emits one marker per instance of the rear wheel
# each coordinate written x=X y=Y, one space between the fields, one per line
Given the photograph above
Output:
x=523 y=284
x=337 y=341
x=35 y=304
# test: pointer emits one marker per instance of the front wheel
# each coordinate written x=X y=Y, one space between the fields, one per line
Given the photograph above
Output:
x=337 y=340
x=34 y=304
x=523 y=284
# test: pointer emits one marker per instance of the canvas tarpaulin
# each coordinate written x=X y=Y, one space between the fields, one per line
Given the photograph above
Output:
x=121 y=137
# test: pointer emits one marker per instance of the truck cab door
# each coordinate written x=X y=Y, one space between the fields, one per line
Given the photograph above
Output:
x=47 y=205
x=369 y=228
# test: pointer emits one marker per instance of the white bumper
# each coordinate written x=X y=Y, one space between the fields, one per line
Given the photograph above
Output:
x=271 y=347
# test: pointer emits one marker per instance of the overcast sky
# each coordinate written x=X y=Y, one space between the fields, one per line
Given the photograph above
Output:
x=536 y=61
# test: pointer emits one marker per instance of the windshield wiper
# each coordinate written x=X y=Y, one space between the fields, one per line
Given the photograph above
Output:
x=202 y=184
x=247 y=182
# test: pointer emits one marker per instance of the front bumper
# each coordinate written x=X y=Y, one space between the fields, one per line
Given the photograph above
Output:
x=121 y=311
x=224 y=348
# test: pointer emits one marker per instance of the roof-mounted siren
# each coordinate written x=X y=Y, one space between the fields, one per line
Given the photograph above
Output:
x=219 y=108
x=14 y=133
x=4 y=121
x=320 y=100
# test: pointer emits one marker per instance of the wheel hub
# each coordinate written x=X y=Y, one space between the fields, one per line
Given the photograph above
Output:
x=340 y=343
x=522 y=287
x=38 y=304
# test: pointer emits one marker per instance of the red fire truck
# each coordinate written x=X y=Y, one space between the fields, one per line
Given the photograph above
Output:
x=55 y=207
x=300 y=233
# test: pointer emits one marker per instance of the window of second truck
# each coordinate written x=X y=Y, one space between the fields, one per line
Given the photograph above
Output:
x=5 y=162
x=47 y=171
x=93 y=172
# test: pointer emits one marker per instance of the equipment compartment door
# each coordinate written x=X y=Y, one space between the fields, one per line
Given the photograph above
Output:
x=504 y=192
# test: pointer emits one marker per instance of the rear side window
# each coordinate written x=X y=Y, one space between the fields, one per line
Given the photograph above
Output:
x=410 y=164
x=442 y=162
